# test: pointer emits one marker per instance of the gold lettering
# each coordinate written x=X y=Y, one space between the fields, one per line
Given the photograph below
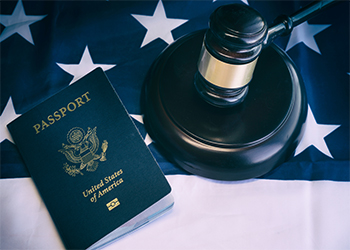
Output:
x=63 y=111
x=106 y=180
x=57 y=116
x=44 y=125
x=104 y=191
x=110 y=187
x=113 y=176
x=68 y=106
x=100 y=184
x=50 y=119
x=36 y=127
x=93 y=189
x=79 y=101
x=85 y=95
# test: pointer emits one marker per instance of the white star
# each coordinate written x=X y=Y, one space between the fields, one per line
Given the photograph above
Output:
x=85 y=66
x=19 y=23
x=314 y=135
x=305 y=33
x=7 y=116
x=158 y=25
x=139 y=118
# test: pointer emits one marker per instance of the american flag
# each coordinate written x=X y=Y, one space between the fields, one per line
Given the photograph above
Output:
x=48 y=45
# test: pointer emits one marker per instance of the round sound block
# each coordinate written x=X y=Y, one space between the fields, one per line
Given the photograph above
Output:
x=240 y=142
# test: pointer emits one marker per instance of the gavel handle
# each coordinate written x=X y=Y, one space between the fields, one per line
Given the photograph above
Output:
x=283 y=24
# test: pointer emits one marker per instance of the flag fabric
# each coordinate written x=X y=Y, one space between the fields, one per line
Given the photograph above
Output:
x=301 y=204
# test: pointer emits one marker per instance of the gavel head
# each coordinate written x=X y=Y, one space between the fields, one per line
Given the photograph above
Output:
x=230 y=51
x=235 y=143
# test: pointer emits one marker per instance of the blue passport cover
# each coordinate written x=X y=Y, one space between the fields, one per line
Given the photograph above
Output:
x=88 y=161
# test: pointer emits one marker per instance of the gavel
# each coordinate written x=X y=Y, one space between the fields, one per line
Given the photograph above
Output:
x=232 y=46
x=198 y=108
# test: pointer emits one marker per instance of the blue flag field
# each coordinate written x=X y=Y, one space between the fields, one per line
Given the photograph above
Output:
x=302 y=204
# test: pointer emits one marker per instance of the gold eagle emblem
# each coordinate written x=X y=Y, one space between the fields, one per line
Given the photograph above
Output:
x=82 y=149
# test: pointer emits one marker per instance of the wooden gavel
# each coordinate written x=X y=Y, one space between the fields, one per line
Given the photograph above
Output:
x=198 y=107
x=232 y=46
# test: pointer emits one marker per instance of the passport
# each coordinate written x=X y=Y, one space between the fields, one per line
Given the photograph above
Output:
x=95 y=174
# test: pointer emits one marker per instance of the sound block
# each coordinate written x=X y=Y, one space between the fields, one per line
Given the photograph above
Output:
x=235 y=143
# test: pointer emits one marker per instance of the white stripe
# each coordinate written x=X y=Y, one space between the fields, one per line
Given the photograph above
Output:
x=254 y=214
